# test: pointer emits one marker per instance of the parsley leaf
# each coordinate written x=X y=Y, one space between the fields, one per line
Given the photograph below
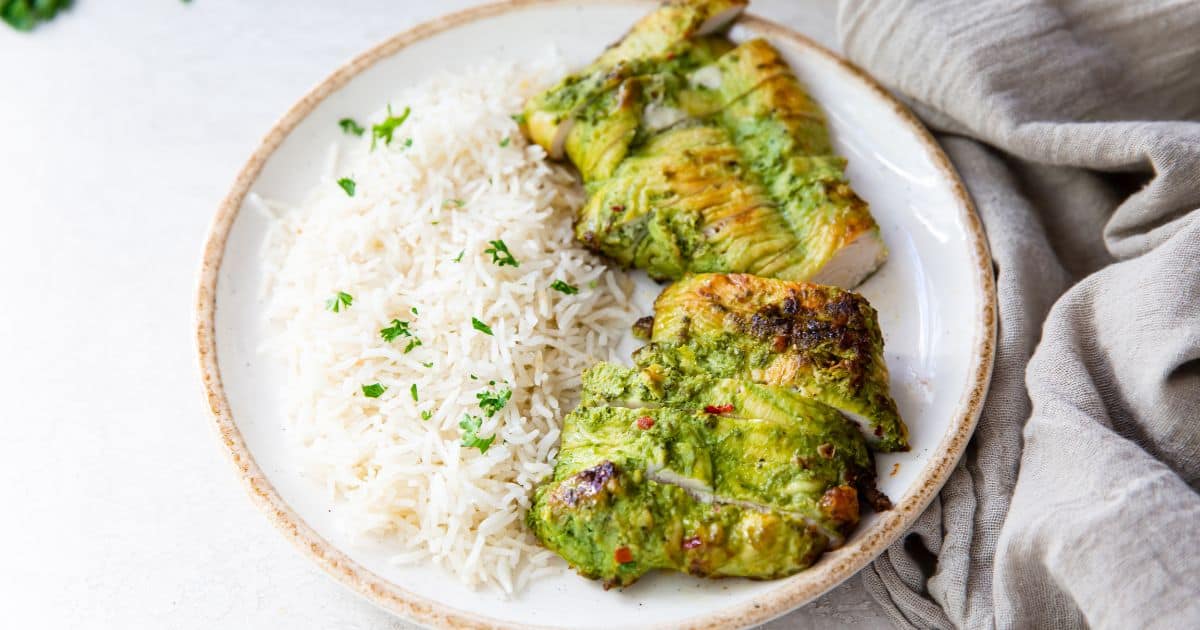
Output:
x=374 y=390
x=384 y=130
x=500 y=254
x=505 y=141
x=414 y=310
x=470 y=438
x=396 y=330
x=518 y=118
x=458 y=258
x=348 y=185
x=338 y=302
x=400 y=329
x=428 y=365
x=24 y=15
x=559 y=285
x=427 y=414
x=351 y=126
x=480 y=326
x=413 y=390
x=492 y=402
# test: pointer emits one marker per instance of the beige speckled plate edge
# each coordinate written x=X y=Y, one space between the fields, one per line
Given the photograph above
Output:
x=789 y=595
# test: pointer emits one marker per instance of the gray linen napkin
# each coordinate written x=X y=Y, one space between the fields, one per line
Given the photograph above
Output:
x=1075 y=127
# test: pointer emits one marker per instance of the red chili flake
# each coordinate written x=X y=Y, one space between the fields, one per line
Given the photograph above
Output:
x=692 y=543
x=645 y=422
x=618 y=208
x=718 y=409
x=623 y=555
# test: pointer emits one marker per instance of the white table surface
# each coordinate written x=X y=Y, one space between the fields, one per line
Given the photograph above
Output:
x=122 y=125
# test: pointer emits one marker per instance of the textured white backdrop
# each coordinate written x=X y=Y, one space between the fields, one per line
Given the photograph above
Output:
x=122 y=124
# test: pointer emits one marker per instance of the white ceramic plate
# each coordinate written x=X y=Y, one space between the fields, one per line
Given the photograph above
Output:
x=934 y=296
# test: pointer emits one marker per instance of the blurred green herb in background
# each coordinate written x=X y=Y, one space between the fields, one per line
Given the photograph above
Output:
x=23 y=15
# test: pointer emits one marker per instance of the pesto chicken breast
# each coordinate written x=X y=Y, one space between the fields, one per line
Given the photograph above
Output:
x=633 y=121
x=682 y=202
x=821 y=341
x=641 y=489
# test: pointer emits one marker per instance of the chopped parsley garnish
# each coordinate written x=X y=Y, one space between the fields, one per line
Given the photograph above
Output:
x=518 y=118
x=427 y=414
x=413 y=390
x=400 y=329
x=348 y=185
x=374 y=390
x=414 y=310
x=474 y=378
x=480 y=326
x=458 y=258
x=351 y=126
x=396 y=330
x=500 y=254
x=592 y=284
x=428 y=365
x=505 y=141
x=384 y=130
x=338 y=302
x=407 y=142
x=492 y=402
x=470 y=438
x=563 y=287
x=453 y=202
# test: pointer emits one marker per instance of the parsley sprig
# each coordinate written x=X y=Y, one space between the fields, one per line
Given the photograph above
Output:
x=480 y=326
x=348 y=185
x=500 y=254
x=351 y=126
x=492 y=402
x=338 y=302
x=384 y=130
x=563 y=287
x=398 y=329
x=470 y=438
x=24 y=15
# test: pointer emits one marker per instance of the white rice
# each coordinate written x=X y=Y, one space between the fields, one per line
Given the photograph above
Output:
x=394 y=476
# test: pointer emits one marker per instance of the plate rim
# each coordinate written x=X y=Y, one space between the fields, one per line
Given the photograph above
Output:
x=792 y=592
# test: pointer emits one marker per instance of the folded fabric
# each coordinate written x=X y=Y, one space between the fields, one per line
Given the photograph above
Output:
x=1076 y=127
